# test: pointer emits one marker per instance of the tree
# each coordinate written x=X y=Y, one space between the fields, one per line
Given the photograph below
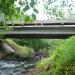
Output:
x=56 y=9
x=10 y=10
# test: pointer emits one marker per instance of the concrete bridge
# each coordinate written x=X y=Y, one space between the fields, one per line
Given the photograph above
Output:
x=51 y=30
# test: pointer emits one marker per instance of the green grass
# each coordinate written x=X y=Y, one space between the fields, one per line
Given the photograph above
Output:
x=20 y=50
x=43 y=64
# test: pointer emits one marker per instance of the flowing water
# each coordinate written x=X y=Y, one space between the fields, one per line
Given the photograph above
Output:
x=13 y=67
x=17 y=67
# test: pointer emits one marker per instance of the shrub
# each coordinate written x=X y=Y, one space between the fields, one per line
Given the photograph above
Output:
x=43 y=64
x=36 y=44
x=62 y=61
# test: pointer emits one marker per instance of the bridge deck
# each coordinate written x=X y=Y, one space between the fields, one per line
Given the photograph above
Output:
x=48 y=31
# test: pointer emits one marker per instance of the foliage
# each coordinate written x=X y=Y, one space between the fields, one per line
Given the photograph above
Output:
x=1 y=35
x=62 y=61
x=26 y=6
x=12 y=11
x=44 y=73
x=54 y=13
x=20 y=50
x=55 y=9
x=3 y=29
x=6 y=6
x=36 y=44
x=43 y=64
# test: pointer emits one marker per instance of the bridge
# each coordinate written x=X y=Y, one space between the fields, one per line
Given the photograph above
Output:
x=45 y=30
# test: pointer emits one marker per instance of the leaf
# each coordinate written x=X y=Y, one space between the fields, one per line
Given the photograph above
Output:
x=26 y=8
x=27 y=19
x=22 y=3
x=32 y=3
x=11 y=1
x=35 y=10
x=1 y=23
x=31 y=20
x=18 y=9
x=33 y=16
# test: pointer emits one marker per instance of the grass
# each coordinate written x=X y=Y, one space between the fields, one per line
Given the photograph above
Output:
x=20 y=50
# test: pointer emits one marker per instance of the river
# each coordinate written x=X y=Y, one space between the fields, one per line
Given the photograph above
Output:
x=17 y=67
x=13 y=67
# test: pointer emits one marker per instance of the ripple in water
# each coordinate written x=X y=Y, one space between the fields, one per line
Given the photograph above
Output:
x=12 y=67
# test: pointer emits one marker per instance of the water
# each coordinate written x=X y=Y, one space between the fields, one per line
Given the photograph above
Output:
x=18 y=66
x=13 y=67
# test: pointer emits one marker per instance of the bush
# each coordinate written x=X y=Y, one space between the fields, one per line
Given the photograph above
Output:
x=62 y=61
x=36 y=44
x=20 y=50
x=64 y=58
x=43 y=64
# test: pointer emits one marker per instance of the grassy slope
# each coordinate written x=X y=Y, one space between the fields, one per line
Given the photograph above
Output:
x=20 y=50
x=62 y=61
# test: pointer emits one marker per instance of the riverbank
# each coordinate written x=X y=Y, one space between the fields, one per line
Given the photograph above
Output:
x=19 y=60
x=11 y=64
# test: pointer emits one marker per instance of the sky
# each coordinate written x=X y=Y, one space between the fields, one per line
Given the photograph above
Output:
x=41 y=15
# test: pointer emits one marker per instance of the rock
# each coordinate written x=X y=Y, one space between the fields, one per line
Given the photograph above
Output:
x=7 y=48
x=33 y=71
x=2 y=55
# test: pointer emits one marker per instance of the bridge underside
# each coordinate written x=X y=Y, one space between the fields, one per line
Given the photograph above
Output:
x=38 y=36
x=50 y=31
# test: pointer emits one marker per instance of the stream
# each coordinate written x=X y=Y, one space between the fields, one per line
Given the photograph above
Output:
x=10 y=64
x=17 y=67
x=13 y=67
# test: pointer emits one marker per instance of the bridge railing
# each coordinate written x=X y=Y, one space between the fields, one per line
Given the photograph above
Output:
x=48 y=22
x=40 y=29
